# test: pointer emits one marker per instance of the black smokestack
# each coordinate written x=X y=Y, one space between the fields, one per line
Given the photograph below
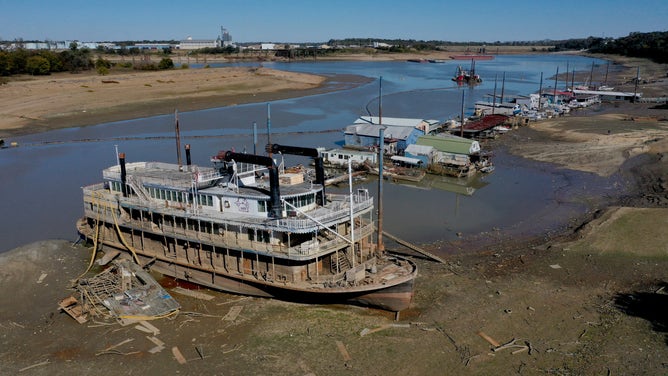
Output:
x=124 y=187
x=188 y=154
x=276 y=209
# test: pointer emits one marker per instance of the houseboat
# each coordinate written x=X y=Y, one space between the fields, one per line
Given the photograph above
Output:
x=243 y=226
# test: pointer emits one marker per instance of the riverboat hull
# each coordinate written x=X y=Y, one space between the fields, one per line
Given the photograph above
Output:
x=394 y=293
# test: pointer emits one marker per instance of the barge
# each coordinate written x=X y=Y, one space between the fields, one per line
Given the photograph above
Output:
x=243 y=227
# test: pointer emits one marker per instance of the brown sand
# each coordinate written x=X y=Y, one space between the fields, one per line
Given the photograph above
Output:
x=65 y=100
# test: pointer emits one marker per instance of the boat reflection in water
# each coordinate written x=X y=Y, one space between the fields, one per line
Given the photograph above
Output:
x=463 y=186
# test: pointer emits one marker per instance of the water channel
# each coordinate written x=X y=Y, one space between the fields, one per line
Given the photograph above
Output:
x=40 y=187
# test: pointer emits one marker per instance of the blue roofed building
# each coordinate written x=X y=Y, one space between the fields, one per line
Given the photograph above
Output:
x=398 y=133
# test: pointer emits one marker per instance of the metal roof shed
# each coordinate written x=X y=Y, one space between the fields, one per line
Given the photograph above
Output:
x=451 y=144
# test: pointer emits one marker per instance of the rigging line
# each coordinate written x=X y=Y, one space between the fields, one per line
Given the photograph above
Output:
x=96 y=238
x=150 y=138
x=122 y=238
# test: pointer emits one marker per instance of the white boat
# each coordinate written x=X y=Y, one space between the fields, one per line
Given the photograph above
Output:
x=488 y=108
x=244 y=227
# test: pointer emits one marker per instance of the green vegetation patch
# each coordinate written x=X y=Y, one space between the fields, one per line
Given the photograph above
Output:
x=637 y=231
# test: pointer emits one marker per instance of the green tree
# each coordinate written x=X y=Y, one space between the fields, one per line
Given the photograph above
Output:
x=38 y=66
x=6 y=64
x=102 y=63
x=166 y=63
x=102 y=70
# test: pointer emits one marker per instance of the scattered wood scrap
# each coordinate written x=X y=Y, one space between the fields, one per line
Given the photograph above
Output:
x=35 y=365
x=343 y=351
x=367 y=331
x=489 y=339
x=192 y=294
x=41 y=278
x=512 y=344
x=112 y=349
x=159 y=345
x=72 y=307
x=145 y=326
x=177 y=354
x=233 y=313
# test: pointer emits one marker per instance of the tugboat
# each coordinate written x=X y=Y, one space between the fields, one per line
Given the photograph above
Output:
x=245 y=226
x=463 y=76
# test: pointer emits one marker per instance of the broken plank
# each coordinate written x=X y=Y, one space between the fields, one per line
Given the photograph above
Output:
x=156 y=341
x=343 y=351
x=489 y=339
x=118 y=344
x=233 y=313
x=177 y=354
x=192 y=294
x=150 y=327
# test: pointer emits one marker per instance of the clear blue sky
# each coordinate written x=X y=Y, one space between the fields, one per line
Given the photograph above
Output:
x=319 y=21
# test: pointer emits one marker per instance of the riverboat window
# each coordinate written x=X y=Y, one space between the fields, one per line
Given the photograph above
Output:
x=116 y=186
x=258 y=235
x=301 y=201
x=205 y=200
x=262 y=206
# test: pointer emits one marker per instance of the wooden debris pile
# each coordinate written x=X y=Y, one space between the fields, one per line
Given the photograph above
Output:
x=123 y=292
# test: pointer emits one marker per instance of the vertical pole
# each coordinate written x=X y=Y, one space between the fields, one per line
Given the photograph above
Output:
x=555 y=86
x=178 y=140
x=591 y=75
x=269 y=127
x=381 y=151
x=494 y=98
x=566 y=82
x=380 y=101
x=461 y=128
x=503 y=86
x=573 y=80
x=254 y=138
x=635 y=91
x=540 y=90
x=352 y=219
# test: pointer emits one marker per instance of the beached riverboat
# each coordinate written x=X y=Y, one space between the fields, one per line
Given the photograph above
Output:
x=244 y=227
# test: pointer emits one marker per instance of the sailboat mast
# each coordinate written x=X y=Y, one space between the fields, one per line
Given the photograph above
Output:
x=503 y=86
x=540 y=90
x=607 y=68
x=494 y=97
x=591 y=75
x=556 y=77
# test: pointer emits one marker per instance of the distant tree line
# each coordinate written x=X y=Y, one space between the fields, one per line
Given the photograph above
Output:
x=653 y=45
x=42 y=62
x=74 y=60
